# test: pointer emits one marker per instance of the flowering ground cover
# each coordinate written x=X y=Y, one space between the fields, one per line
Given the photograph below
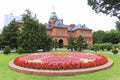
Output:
x=60 y=60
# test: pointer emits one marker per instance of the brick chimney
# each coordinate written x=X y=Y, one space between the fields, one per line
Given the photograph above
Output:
x=72 y=25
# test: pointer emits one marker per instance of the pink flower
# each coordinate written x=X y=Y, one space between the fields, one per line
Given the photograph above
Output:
x=73 y=60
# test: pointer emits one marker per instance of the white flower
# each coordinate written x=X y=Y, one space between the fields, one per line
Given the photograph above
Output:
x=35 y=61
x=86 y=60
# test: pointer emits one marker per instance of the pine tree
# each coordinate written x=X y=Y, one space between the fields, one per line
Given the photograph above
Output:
x=29 y=36
x=45 y=40
x=55 y=44
x=71 y=43
x=1 y=41
x=81 y=44
x=10 y=34
x=33 y=35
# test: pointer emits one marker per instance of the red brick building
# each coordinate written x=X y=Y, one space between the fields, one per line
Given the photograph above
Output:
x=58 y=30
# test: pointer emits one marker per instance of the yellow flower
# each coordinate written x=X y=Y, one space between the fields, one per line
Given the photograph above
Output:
x=59 y=54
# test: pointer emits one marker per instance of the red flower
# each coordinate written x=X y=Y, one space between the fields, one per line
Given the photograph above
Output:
x=73 y=60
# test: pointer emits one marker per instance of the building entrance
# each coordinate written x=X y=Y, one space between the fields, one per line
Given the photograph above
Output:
x=60 y=43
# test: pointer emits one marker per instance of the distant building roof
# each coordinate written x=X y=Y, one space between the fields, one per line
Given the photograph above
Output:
x=48 y=27
x=58 y=23
x=79 y=26
x=9 y=18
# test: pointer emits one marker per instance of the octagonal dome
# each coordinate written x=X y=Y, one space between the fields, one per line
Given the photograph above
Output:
x=53 y=15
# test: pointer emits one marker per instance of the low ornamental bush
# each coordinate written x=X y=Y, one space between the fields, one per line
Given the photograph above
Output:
x=20 y=50
x=74 y=60
x=6 y=50
x=114 y=51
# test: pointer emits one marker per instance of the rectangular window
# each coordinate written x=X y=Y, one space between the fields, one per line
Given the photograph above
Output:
x=82 y=33
x=63 y=33
x=58 y=33
x=88 y=35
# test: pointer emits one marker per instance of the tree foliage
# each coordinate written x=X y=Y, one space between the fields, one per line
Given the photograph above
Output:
x=98 y=36
x=96 y=47
x=10 y=34
x=55 y=44
x=29 y=35
x=45 y=41
x=108 y=46
x=6 y=50
x=1 y=41
x=112 y=36
x=117 y=25
x=47 y=45
x=111 y=7
x=81 y=44
x=33 y=36
x=20 y=50
x=71 y=43
x=114 y=51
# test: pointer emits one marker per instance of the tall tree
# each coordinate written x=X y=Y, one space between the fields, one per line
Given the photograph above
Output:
x=10 y=34
x=111 y=7
x=33 y=35
x=29 y=35
x=98 y=36
x=112 y=36
x=71 y=43
x=45 y=40
x=55 y=44
x=81 y=44
x=47 y=46
x=118 y=25
x=1 y=41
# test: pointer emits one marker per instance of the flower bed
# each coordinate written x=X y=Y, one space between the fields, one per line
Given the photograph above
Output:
x=60 y=60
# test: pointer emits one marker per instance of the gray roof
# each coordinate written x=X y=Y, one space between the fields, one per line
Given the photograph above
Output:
x=48 y=27
x=79 y=26
x=9 y=18
x=58 y=23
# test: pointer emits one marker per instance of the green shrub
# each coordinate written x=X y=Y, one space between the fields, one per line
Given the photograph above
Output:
x=90 y=47
x=6 y=50
x=102 y=46
x=108 y=46
x=20 y=50
x=114 y=51
x=96 y=47
x=116 y=46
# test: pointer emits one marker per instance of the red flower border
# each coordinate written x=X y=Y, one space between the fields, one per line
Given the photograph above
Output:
x=23 y=62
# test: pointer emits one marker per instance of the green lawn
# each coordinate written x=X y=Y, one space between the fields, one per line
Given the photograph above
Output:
x=112 y=73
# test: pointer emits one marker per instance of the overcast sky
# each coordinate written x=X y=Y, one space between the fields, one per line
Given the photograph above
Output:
x=71 y=11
